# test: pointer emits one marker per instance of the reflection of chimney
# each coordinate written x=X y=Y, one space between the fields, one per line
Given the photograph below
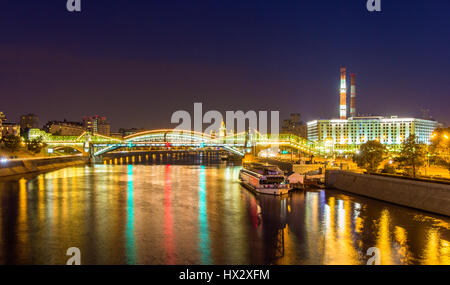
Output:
x=353 y=95
x=343 y=106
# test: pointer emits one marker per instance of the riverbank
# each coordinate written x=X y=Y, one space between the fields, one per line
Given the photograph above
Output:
x=427 y=196
x=20 y=153
x=29 y=165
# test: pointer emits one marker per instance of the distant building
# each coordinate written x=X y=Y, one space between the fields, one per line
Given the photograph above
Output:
x=295 y=126
x=29 y=121
x=348 y=134
x=64 y=128
x=128 y=132
x=97 y=125
x=116 y=135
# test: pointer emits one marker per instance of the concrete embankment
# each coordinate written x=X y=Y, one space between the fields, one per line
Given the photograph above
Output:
x=23 y=166
x=427 y=196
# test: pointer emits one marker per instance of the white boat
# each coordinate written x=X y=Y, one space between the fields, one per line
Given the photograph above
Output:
x=264 y=179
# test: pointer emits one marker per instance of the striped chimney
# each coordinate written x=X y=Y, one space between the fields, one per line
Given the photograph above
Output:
x=343 y=105
x=353 y=95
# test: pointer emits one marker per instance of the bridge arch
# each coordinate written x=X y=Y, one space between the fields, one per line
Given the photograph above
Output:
x=170 y=138
x=169 y=135
x=74 y=147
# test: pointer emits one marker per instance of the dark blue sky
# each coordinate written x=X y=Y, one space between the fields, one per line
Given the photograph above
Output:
x=137 y=62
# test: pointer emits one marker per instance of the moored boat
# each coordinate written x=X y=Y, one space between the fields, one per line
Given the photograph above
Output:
x=264 y=179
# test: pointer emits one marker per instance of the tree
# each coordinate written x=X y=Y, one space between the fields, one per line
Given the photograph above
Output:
x=12 y=142
x=440 y=147
x=36 y=145
x=370 y=156
x=411 y=155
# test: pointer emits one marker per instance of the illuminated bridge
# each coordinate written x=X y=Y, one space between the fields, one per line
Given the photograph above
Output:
x=97 y=145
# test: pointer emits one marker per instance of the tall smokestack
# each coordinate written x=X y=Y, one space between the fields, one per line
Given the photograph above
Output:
x=343 y=106
x=353 y=95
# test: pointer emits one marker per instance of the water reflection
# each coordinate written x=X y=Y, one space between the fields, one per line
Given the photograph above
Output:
x=204 y=245
x=193 y=214
x=168 y=221
x=131 y=251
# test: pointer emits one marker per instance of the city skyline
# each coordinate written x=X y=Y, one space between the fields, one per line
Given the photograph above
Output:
x=121 y=60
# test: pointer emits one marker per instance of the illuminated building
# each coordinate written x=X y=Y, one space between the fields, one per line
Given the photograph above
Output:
x=64 y=128
x=348 y=134
x=10 y=129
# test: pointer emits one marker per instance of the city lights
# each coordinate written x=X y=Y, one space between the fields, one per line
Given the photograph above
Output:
x=148 y=133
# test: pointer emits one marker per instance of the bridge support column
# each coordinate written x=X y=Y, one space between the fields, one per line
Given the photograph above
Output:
x=95 y=159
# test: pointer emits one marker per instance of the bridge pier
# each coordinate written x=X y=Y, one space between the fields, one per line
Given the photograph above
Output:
x=95 y=159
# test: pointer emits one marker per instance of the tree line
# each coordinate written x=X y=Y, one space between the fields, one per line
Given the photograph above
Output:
x=410 y=157
x=14 y=143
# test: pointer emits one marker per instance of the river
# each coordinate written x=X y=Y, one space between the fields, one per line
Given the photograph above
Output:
x=200 y=214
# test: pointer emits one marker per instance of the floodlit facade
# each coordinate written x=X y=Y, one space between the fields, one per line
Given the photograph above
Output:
x=347 y=135
x=9 y=129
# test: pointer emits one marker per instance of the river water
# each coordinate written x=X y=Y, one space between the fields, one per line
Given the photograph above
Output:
x=200 y=214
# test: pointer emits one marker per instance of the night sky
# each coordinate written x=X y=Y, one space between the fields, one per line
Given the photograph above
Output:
x=136 y=62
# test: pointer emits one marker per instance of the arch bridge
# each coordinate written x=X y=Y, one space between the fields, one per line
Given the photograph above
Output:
x=97 y=145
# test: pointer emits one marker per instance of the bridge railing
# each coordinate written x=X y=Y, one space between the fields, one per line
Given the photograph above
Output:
x=180 y=137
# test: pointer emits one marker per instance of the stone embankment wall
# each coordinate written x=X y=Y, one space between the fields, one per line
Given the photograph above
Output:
x=23 y=166
x=305 y=168
x=427 y=196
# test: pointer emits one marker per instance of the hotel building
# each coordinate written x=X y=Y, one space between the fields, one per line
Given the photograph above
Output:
x=348 y=134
